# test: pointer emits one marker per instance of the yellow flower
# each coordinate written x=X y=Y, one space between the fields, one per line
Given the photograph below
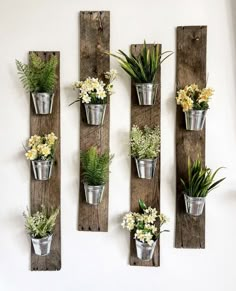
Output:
x=205 y=94
x=181 y=95
x=32 y=154
x=51 y=138
x=34 y=140
x=187 y=104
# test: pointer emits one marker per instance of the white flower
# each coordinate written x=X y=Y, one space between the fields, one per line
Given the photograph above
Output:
x=111 y=75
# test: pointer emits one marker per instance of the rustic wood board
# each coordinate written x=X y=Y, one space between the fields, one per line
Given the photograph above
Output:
x=48 y=192
x=94 y=39
x=147 y=190
x=191 y=68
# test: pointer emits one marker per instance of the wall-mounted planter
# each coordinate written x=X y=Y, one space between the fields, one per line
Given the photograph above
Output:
x=42 y=246
x=94 y=40
x=43 y=102
x=146 y=189
x=95 y=113
x=93 y=194
x=190 y=69
x=42 y=169
x=144 y=251
x=47 y=192
x=146 y=93
x=194 y=205
x=195 y=119
x=146 y=168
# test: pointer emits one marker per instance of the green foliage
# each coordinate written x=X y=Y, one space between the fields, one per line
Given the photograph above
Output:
x=38 y=76
x=142 y=205
x=200 y=179
x=145 y=144
x=95 y=167
x=41 y=223
x=142 y=68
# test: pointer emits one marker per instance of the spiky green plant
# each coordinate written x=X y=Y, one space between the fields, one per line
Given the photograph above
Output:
x=200 y=179
x=38 y=76
x=143 y=67
x=41 y=223
x=95 y=166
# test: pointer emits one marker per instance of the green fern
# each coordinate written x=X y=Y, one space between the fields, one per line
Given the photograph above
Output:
x=38 y=75
x=41 y=223
x=95 y=167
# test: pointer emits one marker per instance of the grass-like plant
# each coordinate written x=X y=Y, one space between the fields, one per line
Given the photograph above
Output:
x=143 y=67
x=201 y=180
x=95 y=166
x=38 y=76
x=145 y=143
x=42 y=223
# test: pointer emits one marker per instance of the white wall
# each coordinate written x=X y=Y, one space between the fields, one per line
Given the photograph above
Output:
x=99 y=261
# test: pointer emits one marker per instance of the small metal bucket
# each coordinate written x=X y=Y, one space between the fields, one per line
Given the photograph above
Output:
x=194 y=205
x=93 y=194
x=42 y=169
x=95 y=113
x=144 y=251
x=42 y=246
x=146 y=168
x=43 y=102
x=195 y=119
x=146 y=93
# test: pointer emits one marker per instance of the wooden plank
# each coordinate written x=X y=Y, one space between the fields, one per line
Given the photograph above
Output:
x=147 y=190
x=191 y=68
x=94 y=39
x=48 y=192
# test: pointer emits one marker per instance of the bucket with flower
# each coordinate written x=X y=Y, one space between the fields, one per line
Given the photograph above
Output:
x=41 y=150
x=194 y=102
x=146 y=227
x=94 y=94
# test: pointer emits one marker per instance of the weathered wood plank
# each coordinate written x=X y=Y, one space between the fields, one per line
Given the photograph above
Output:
x=94 y=39
x=48 y=192
x=147 y=190
x=191 y=68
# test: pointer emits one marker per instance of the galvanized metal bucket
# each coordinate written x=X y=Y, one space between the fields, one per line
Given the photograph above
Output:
x=145 y=251
x=42 y=246
x=93 y=194
x=42 y=169
x=194 y=205
x=195 y=119
x=95 y=113
x=146 y=93
x=43 y=102
x=146 y=168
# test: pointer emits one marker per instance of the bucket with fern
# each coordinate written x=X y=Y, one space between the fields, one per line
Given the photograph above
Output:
x=40 y=227
x=194 y=102
x=200 y=181
x=143 y=69
x=40 y=151
x=94 y=93
x=39 y=78
x=95 y=173
x=145 y=148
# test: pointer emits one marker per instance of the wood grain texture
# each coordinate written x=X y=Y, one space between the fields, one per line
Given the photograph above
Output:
x=48 y=192
x=94 y=39
x=147 y=190
x=191 y=68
